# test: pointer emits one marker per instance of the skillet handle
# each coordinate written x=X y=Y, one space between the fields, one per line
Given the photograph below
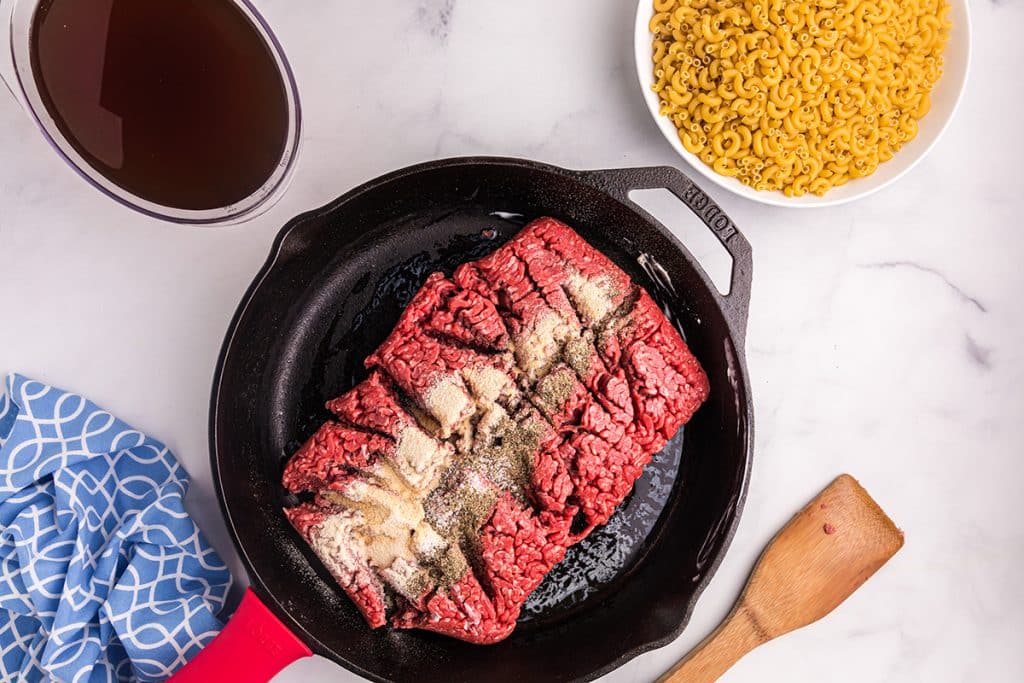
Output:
x=252 y=648
x=620 y=182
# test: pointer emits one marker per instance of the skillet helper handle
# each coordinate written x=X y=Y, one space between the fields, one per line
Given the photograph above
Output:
x=253 y=647
x=620 y=182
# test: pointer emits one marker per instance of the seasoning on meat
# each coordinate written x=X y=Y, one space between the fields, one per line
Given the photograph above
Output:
x=507 y=414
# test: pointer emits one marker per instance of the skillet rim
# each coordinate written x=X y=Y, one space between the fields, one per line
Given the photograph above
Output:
x=734 y=314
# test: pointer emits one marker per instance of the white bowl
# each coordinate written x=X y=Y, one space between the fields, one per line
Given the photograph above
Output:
x=945 y=98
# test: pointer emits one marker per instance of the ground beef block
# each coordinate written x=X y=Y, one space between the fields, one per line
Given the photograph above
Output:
x=512 y=401
x=590 y=275
x=432 y=365
x=551 y=484
x=666 y=381
x=331 y=457
x=374 y=406
x=464 y=611
x=342 y=555
x=537 y=328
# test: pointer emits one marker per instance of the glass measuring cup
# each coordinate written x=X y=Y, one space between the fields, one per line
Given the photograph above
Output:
x=219 y=57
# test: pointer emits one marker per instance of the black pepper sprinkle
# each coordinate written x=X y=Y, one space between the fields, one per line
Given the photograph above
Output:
x=449 y=567
x=555 y=389
x=577 y=354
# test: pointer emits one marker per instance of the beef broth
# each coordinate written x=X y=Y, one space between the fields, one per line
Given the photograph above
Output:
x=179 y=102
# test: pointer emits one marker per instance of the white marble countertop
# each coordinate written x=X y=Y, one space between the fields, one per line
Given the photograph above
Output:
x=885 y=336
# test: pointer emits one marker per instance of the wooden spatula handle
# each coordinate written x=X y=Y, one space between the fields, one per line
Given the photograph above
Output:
x=738 y=635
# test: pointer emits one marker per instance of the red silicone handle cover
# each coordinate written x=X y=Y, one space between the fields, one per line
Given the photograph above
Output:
x=252 y=648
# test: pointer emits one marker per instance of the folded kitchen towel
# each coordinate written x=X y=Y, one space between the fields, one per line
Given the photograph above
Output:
x=103 y=575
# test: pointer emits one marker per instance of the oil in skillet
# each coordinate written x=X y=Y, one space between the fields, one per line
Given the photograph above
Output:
x=180 y=102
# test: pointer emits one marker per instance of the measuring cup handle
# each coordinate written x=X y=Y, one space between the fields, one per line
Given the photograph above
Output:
x=8 y=74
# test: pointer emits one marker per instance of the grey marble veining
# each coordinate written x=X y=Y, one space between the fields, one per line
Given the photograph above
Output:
x=885 y=336
x=436 y=17
x=967 y=298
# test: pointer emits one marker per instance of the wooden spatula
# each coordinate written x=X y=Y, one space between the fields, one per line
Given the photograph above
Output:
x=823 y=555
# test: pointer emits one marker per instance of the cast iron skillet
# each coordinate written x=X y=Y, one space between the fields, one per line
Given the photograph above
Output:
x=333 y=287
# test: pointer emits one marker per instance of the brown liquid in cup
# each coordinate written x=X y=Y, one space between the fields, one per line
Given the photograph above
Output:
x=179 y=102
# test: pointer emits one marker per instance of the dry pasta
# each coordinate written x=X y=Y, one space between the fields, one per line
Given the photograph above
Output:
x=796 y=96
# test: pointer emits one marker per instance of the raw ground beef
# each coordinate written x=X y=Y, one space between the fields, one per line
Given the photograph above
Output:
x=507 y=414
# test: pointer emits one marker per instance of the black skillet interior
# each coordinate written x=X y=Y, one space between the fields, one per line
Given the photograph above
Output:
x=333 y=289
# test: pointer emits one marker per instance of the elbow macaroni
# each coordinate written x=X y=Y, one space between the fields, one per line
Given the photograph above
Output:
x=797 y=96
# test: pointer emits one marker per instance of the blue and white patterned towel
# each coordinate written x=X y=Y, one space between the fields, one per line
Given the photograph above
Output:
x=103 y=575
